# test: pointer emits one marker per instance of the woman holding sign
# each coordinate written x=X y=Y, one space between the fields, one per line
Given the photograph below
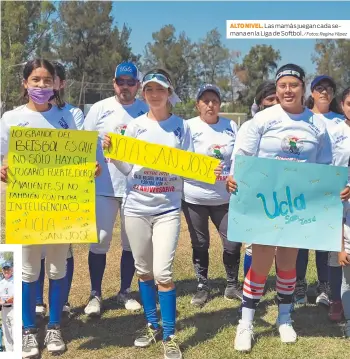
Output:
x=289 y=132
x=78 y=116
x=212 y=136
x=322 y=102
x=151 y=207
x=265 y=97
x=38 y=82
x=340 y=137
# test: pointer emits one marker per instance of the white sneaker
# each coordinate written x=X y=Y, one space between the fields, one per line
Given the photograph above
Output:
x=53 y=341
x=323 y=299
x=287 y=333
x=94 y=306
x=323 y=294
x=40 y=310
x=30 y=347
x=244 y=336
x=128 y=302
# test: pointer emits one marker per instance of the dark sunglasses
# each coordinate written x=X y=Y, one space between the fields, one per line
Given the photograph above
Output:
x=128 y=82
x=321 y=88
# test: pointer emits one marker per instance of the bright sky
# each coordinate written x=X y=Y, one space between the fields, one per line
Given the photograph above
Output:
x=197 y=18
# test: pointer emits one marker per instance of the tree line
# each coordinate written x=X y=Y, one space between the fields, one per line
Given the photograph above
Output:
x=86 y=39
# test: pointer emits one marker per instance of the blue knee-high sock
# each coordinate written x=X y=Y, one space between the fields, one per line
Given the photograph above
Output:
x=247 y=263
x=148 y=297
x=56 y=295
x=28 y=304
x=69 y=278
x=167 y=301
x=335 y=279
x=127 y=270
x=97 y=265
x=40 y=284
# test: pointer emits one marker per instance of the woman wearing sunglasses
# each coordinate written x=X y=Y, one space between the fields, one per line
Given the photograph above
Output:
x=322 y=102
x=151 y=208
x=112 y=114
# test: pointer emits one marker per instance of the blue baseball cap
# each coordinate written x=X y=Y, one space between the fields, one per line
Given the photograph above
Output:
x=208 y=87
x=320 y=78
x=7 y=264
x=127 y=69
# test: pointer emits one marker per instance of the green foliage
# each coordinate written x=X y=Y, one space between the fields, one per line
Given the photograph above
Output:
x=89 y=44
x=24 y=25
x=8 y=256
x=212 y=55
x=176 y=55
x=186 y=110
x=257 y=65
x=332 y=58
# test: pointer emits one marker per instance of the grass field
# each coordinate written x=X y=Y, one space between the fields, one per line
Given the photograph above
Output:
x=206 y=333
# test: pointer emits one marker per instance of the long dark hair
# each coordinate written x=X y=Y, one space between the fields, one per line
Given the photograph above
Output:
x=61 y=73
x=333 y=106
x=345 y=94
x=30 y=66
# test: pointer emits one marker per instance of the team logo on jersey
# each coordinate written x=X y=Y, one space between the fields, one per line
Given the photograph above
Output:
x=105 y=114
x=63 y=123
x=6 y=291
x=197 y=134
x=292 y=144
x=177 y=133
x=120 y=130
x=140 y=131
x=217 y=151
x=23 y=124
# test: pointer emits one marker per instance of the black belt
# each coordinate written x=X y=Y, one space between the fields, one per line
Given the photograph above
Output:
x=7 y=306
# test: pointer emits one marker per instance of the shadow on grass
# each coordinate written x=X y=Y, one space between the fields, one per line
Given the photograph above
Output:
x=118 y=329
x=217 y=286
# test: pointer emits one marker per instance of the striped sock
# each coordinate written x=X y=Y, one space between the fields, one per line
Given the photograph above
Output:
x=253 y=290
x=285 y=285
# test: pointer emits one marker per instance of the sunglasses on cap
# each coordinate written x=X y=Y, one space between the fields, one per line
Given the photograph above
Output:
x=321 y=88
x=127 y=82
x=159 y=77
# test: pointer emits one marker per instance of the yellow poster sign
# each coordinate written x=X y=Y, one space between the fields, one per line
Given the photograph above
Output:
x=162 y=158
x=50 y=196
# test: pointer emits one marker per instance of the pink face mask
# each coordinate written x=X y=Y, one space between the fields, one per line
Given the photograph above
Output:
x=40 y=95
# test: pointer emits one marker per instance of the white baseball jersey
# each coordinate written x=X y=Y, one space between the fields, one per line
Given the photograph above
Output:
x=77 y=115
x=214 y=140
x=106 y=116
x=340 y=138
x=242 y=131
x=150 y=192
x=274 y=133
x=24 y=117
x=331 y=119
x=6 y=288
